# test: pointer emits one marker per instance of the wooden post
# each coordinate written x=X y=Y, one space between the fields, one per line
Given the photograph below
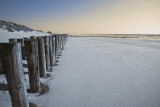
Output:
x=59 y=43
x=21 y=41
x=51 y=52
x=13 y=40
x=24 y=57
x=46 y=42
x=1 y=67
x=32 y=37
x=31 y=48
x=22 y=48
x=56 y=46
x=53 y=46
x=25 y=38
x=10 y=54
x=42 y=59
x=63 y=41
x=66 y=37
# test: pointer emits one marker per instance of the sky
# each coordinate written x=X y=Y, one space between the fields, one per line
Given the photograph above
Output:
x=85 y=16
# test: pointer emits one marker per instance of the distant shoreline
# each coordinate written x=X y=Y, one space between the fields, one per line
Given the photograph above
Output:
x=136 y=36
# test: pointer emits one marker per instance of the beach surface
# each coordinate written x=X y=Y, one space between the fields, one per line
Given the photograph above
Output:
x=105 y=72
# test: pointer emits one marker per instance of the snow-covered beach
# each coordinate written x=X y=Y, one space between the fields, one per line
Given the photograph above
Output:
x=105 y=72
x=80 y=53
x=100 y=72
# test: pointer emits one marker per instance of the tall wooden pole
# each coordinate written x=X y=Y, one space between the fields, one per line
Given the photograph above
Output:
x=51 y=52
x=46 y=42
x=10 y=54
x=56 y=46
x=32 y=37
x=13 y=40
x=53 y=46
x=31 y=47
x=1 y=67
x=42 y=59
x=22 y=47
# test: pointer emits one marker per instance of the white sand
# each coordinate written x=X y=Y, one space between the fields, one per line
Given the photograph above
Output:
x=105 y=72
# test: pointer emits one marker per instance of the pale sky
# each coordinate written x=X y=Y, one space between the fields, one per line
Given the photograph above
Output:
x=85 y=16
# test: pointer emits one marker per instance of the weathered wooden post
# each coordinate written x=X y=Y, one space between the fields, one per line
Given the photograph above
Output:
x=42 y=59
x=1 y=67
x=60 y=41
x=66 y=36
x=53 y=46
x=13 y=40
x=21 y=41
x=64 y=39
x=25 y=38
x=10 y=55
x=25 y=57
x=32 y=37
x=22 y=47
x=17 y=41
x=51 y=52
x=31 y=49
x=56 y=46
x=46 y=42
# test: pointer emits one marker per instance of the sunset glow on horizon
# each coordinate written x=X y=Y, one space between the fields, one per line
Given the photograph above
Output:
x=85 y=16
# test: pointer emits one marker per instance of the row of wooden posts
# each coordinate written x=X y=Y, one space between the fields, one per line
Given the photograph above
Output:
x=40 y=53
